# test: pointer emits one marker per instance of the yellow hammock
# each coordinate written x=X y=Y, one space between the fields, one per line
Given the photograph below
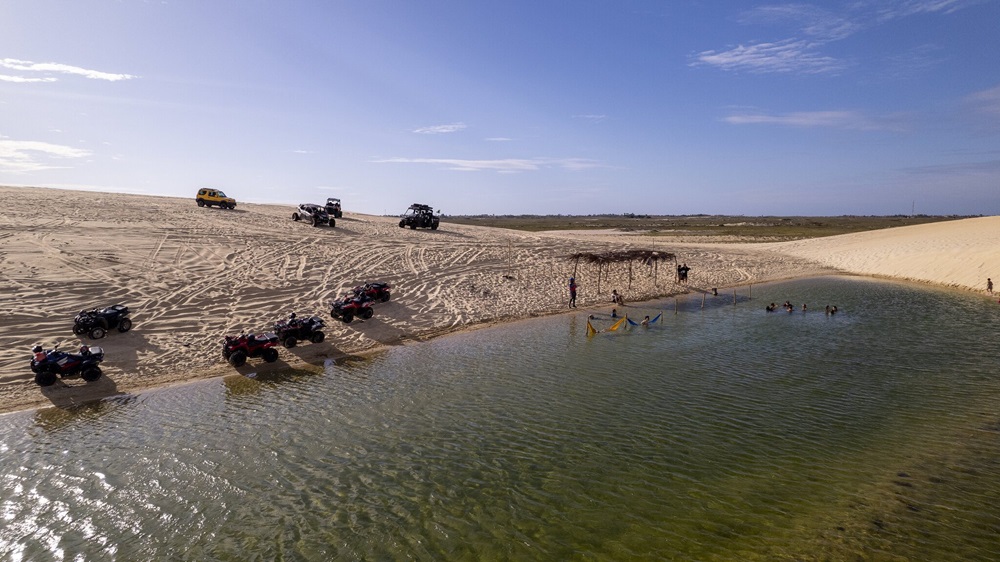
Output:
x=618 y=324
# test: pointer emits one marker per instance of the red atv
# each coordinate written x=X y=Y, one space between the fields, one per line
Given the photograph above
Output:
x=236 y=349
x=372 y=292
x=348 y=307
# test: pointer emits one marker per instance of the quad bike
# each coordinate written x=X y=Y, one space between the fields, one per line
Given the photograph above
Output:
x=54 y=364
x=349 y=307
x=371 y=292
x=292 y=331
x=236 y=349
x=96 y=322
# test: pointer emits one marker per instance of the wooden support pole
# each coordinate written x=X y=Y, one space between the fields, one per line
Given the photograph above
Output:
x=703 y=295
x=734 y=296
x=750 y=296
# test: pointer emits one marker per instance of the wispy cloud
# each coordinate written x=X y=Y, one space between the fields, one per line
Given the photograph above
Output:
x=801 y=51
x=440 y=129
x=497 y=139
x=812 y=21
x=592 y=117
x=783 y=56
x=509 y=165
x=300 y=151
x=986 y=102
x=23 y=80
x=56 y=68
x=902 y=8
x=32 y=156
x=808 y=119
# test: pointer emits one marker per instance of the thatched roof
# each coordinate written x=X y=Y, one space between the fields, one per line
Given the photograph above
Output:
x=620 y=256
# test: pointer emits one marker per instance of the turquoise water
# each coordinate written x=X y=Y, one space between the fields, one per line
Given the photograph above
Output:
x=722 y=433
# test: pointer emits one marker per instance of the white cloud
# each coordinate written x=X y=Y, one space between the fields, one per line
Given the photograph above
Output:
x=300 y=151
x=592 y=117
x=497 y=139
x=23 y=80
x=508 y=165
x=783 y=56
x=813 y=21
x=440 y=129
x=32 y=156
x=815 y=27
x=834 y=119
x=57 y=68
x=986 y=101
x=892 y=10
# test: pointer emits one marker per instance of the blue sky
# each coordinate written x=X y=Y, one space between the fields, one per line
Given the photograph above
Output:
x=571 y=107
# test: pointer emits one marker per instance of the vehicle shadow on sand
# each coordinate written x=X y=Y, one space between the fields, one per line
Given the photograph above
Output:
x=73 y=392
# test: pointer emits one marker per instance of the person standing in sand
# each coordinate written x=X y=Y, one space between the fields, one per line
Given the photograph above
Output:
x=572 y=292
x=989 y=285
x=682 y=273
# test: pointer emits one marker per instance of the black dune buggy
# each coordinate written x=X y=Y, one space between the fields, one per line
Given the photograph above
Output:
x=419 y=216
x=96 y=322
x=333 y=207
x=292 y=331
x=349 y=307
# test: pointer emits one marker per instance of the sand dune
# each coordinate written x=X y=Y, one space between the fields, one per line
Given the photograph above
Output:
x=193 y=274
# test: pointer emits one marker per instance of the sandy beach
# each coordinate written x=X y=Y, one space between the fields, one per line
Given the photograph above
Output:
x=191 y=275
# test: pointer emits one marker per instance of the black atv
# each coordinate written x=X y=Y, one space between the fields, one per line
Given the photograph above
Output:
x=292 y=331
x=348 y=307
x=97 y=322
x=53 y=364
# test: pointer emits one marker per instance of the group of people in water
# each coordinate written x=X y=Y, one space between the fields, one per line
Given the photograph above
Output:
x=789 y=307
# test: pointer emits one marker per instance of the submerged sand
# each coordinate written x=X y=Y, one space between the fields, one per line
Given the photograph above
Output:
x=191 y=275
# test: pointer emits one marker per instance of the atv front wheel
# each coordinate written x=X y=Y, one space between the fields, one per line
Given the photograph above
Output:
x=270 y=355
x=125 y=325
x=238 y=358
x=91 y=374
x=317 y=337
x=290 y=342
x=45 y=378
x=385 y=297
x=97 y=333
x=79 y=330
x=367 y=313
x=347 y=317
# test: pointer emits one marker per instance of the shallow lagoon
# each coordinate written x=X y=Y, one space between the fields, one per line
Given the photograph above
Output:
x=722 y=433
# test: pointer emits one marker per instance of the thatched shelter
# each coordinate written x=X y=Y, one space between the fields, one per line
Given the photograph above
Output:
x=603 y=260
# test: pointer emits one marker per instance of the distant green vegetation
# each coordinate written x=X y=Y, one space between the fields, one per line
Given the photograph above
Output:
x=749 y=228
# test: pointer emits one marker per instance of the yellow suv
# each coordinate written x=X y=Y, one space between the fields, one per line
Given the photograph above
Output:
x=211 y=197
